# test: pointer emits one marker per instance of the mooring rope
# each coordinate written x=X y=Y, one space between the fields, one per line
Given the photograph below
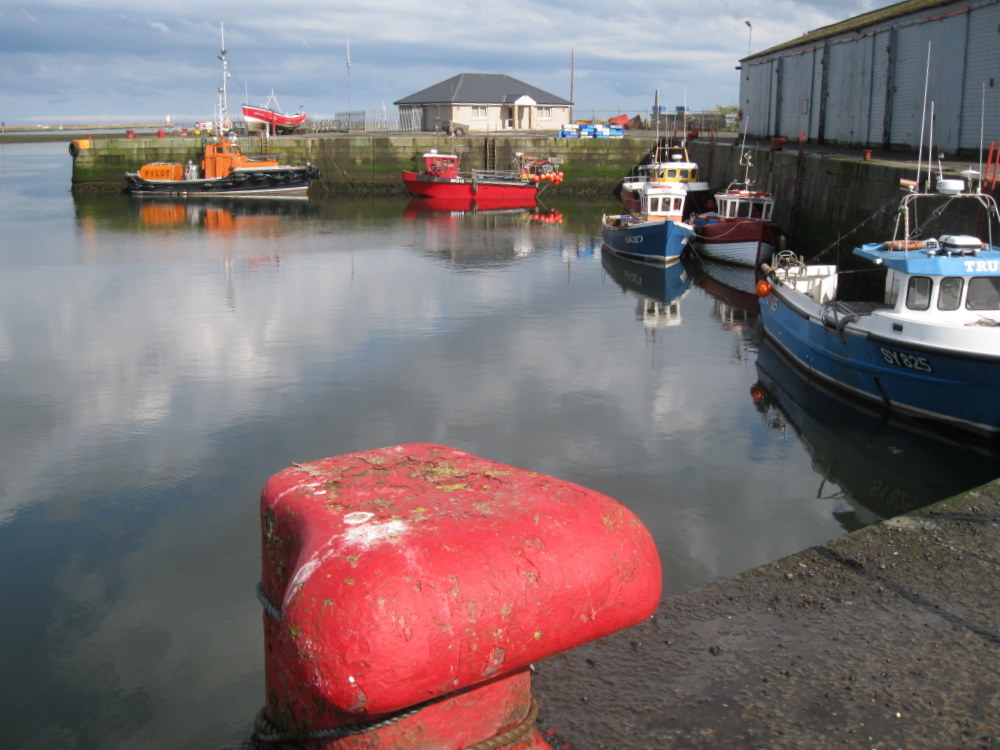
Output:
x=269 y=606
x=266 y=733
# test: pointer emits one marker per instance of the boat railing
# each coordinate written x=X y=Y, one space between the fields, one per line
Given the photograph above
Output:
x=495 y=174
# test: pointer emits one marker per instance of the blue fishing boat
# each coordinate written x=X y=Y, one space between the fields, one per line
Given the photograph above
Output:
x=657 y=233
x=929 y=346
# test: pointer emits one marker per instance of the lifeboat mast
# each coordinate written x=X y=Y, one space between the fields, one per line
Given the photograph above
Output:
x=222 y=116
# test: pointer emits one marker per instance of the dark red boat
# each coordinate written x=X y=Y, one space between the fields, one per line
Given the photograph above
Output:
x=520 y=185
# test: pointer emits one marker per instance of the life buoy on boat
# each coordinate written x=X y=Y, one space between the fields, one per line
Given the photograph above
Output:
x=904 y=245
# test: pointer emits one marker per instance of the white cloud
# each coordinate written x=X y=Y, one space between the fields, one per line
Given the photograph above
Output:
x=621 y=54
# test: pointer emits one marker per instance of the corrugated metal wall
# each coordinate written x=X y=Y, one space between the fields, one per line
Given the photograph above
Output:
x=981 y=101
x=797 y=79
x=756 y=98
x=866 y=87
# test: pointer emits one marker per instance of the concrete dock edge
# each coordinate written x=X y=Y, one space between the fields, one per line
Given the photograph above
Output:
x=888 y=637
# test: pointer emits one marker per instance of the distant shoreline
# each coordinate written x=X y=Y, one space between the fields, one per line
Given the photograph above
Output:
x=42 y=133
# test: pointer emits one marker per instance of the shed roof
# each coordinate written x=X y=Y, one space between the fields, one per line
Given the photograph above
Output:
x=482 y=88
x=857 y=23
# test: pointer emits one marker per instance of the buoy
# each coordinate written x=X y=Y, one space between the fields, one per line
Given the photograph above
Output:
x=408 y=589
x=763 y=288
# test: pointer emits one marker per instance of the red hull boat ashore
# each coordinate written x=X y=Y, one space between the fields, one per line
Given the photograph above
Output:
x=269 y=117
x=517 y=187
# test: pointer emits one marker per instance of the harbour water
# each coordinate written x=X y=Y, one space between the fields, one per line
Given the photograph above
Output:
x=158 y=361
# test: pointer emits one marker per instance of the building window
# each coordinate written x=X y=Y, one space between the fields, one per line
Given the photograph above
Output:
x=479 y=112
x=544 y=113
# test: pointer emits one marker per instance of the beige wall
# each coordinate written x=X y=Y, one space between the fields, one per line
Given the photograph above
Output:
x=497 y=117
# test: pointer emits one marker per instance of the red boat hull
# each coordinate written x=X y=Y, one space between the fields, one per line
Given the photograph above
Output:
x=498 y=193
x=746 y=242
x=259 y=116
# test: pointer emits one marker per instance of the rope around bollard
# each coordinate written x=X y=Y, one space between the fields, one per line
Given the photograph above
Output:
x=266 y=733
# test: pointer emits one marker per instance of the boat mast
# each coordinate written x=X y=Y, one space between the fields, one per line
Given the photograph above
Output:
x=223 y=117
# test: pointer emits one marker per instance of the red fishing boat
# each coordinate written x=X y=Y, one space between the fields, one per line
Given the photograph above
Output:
x=522 y=183
x=271 y=118
x=741 y=229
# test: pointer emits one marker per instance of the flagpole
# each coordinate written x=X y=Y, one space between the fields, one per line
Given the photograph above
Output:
x=349 y=120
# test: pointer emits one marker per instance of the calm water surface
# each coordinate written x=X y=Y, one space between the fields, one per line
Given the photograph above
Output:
x=158 y=361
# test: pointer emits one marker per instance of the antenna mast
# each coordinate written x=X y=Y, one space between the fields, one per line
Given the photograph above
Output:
x=223 y=103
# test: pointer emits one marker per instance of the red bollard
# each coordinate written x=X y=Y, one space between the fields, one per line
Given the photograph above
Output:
x=407 y=590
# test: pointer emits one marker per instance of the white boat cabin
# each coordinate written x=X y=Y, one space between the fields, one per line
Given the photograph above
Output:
x=663 y=203
x=744 y=204
x=670 y=165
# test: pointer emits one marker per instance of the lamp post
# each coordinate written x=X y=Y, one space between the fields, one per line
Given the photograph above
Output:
x=749 y=35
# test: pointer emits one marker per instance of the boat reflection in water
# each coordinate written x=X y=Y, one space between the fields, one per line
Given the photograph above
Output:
x=462 y=229
x=526 y=207
x=658 y=287
x=883 y=466
x=258 y=216
x=731 y=288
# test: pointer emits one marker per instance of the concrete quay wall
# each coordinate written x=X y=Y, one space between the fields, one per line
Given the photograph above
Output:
x=827 y=200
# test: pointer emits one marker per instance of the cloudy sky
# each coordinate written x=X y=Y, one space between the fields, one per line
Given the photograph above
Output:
x=110 y=60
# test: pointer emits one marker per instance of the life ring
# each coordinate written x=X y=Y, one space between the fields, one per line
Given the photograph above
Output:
x=904 y=245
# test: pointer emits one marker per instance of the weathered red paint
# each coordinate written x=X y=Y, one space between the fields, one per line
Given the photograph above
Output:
x=418 y=571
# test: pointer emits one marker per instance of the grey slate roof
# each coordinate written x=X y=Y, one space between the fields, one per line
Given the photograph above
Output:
x=481 y=88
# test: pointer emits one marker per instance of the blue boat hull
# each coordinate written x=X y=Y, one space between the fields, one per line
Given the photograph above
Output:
x=646 y=240
x=921 y=382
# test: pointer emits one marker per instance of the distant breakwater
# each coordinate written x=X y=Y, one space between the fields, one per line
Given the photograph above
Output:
x=828 y=201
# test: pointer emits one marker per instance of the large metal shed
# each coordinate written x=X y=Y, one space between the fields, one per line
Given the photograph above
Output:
x=861 y=81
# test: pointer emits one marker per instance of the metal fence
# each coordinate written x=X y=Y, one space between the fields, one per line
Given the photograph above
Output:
x=391 y=120
x=367 y=121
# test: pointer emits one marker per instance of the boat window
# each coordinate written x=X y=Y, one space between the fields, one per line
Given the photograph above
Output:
x=950 y=293
x=891 y=288
x=984 y=293
x=918 y=293
x=671 y=174
x=684 y=174
x=694 y=175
